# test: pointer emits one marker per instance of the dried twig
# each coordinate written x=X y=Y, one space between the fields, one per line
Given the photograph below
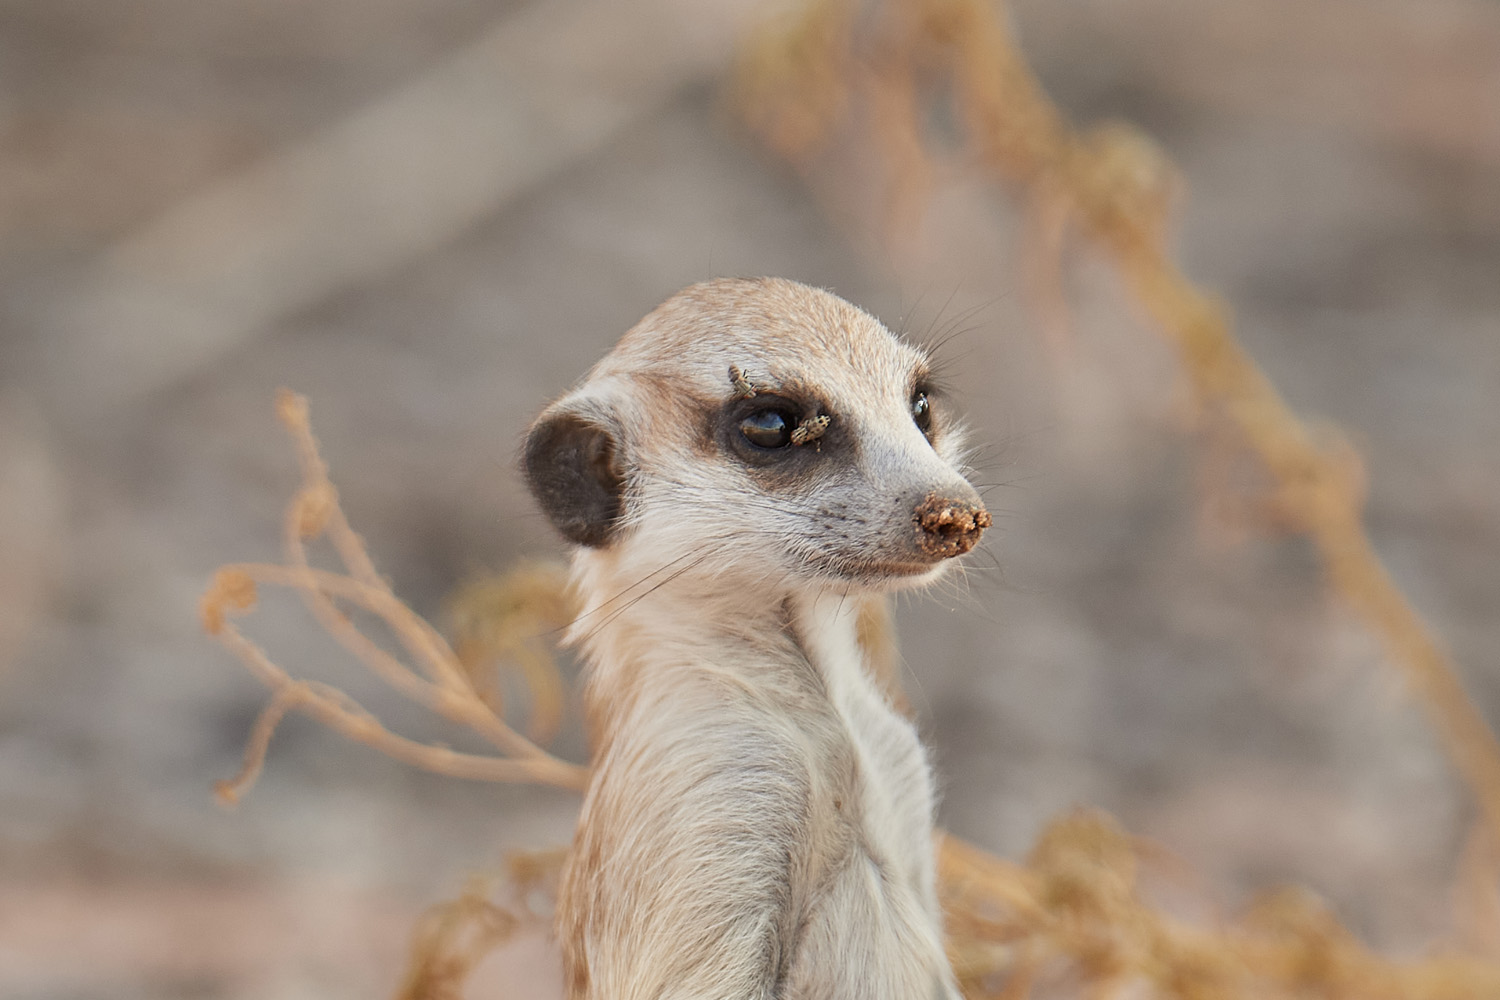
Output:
x=506 y=619
x=1115 y=186
x=442 y=683
x=1074 y=908
x=453 y=937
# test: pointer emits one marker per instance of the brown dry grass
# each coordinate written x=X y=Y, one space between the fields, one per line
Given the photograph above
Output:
x=455 y=936
x=1072 y=920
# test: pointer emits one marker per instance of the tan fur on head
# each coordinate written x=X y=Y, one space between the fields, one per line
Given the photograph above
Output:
x=753 y=464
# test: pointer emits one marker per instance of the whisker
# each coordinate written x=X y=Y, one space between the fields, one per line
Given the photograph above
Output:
x=600 y=607
x=636 y=600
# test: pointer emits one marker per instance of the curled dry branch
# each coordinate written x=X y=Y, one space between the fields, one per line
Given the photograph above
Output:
x=1113 y=185
x=453 y=937
x=1074 y=909
x=440 y=680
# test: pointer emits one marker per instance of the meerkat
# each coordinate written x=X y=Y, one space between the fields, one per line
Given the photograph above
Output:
x=753 y=463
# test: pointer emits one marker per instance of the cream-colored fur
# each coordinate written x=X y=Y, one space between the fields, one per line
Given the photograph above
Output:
x=759 y=820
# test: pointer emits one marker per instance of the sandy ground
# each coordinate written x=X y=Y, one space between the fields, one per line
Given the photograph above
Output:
x=1112 y=648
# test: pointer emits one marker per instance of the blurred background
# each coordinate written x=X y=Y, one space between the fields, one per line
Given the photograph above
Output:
x=431 y=217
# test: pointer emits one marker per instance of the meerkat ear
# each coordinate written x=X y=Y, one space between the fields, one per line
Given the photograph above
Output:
x=573 y=469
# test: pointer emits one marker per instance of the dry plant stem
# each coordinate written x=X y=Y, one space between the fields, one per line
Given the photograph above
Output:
x=346 y=717
x=1115 y=186
x=316 y=511
x=445 y=689
x=1075 y=908
x=549 y=698
x=451 y=939
x=502 y=621
x=1317 y=491
x=282 y=701
x=457 y=703
x=1317 y=487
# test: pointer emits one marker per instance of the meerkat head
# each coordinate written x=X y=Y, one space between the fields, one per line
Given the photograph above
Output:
x=759 y=430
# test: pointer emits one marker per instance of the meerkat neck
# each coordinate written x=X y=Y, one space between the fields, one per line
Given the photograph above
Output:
x=826 y=627
x=677 y=604
x=659 y=621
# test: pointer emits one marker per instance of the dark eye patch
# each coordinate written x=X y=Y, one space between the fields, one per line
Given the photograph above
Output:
x=762 y=431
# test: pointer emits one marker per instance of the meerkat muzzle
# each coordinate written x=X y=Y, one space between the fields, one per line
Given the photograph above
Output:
x=947 y=528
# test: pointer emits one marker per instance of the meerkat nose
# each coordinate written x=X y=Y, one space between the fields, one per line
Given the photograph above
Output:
x=948 y=527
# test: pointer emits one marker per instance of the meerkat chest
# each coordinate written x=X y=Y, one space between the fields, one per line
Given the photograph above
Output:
x=875 y=927
x=893 y=780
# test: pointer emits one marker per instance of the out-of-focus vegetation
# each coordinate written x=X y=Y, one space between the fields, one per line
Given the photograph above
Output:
x=1076 y=918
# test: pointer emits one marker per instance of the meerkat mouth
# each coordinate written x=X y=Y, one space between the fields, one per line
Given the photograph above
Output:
x=886 y=570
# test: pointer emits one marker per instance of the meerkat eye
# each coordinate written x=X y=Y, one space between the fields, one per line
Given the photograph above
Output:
x=768 y=428
x=921 y=412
